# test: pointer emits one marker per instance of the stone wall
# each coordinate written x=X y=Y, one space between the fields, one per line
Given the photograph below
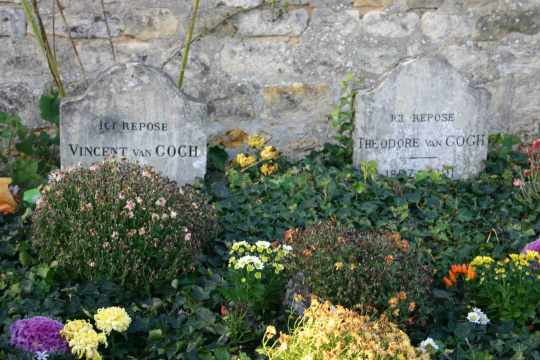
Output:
x=276 y=67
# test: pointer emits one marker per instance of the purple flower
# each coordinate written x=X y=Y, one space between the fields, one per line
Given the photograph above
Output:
x=37 y=335
x=533 y=246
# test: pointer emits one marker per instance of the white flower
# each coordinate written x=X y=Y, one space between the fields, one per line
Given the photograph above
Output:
x=287 y=248
x=239 y=244
x=429 y=345
x=55 y=176
x=161 y=202
x=173 y=214
x=249 y=260
x=42 y=355
x=477 y=316
x=264 y=244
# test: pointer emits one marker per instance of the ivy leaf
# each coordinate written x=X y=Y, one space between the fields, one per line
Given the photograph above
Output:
x=49 y=106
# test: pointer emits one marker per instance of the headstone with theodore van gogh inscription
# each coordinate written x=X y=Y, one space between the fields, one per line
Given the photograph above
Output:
x=423 y=115
x=135 y=111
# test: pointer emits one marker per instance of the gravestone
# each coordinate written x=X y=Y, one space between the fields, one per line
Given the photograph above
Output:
x=135 y=111
x=423 y=115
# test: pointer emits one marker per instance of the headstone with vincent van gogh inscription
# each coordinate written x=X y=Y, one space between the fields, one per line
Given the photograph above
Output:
x=423 y=115
x=135 y=111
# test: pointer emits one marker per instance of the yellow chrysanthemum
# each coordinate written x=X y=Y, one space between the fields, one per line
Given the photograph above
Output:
x=519 y=259
x=256 y=141
x=244 y=160
x=112 y=318
x=269 y=169
x=482 y=260
x=85 y=342
x=72 y=327
x=269 y=153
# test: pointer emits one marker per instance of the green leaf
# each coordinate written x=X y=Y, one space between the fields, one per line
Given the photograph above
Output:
x=360 y=187
x=49 y=106
x=155 y=334
x=217 y=158
x=31 y=196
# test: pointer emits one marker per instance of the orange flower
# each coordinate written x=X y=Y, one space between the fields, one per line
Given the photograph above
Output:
x=7 y=203
x=449 y=283
x=457 y=269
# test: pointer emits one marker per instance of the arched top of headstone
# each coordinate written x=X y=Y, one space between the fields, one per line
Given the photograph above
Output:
x=135 y=111
x=423 y=115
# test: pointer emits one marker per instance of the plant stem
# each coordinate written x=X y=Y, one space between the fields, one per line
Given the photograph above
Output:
x=187 y=42
x=31 y=12
x=108 y=30
x=68 y=30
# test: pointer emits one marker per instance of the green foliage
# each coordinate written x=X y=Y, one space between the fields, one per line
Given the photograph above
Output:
x=455 y=219
x=354 y=268
x=342 y=120
x=178 y=321
x=121 y=222
x=28 y=155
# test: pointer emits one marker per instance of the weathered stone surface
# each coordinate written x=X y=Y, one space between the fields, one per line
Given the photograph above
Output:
x=243 y=3
x=498 y=24
x=265 y=23
x=151 y=23
x=443 y=26
x=135 y=111
x=424 y=115
x=12 y=22
x=245 y=68
x=394 y=26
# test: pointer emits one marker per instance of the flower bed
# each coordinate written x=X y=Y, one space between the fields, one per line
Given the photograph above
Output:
x=455 y=275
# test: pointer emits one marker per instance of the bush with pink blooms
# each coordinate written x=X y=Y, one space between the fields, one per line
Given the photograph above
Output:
x=119 y=221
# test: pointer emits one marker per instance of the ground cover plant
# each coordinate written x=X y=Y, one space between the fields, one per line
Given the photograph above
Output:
x=213 y=300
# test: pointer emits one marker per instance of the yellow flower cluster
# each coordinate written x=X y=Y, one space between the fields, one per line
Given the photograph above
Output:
x=513 y=262
x=269 y=153
x=256 y=141
x=84 y=341
x=328 y=332
x=264 y=154
x=269 y=169
x=244 y=160
x=112 y=318
x=482 y=261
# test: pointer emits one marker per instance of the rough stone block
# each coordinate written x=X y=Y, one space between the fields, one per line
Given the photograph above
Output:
x=265 y=23
x=246 y=4
x=379 y=23
x=145 y=24
x=12 y=22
